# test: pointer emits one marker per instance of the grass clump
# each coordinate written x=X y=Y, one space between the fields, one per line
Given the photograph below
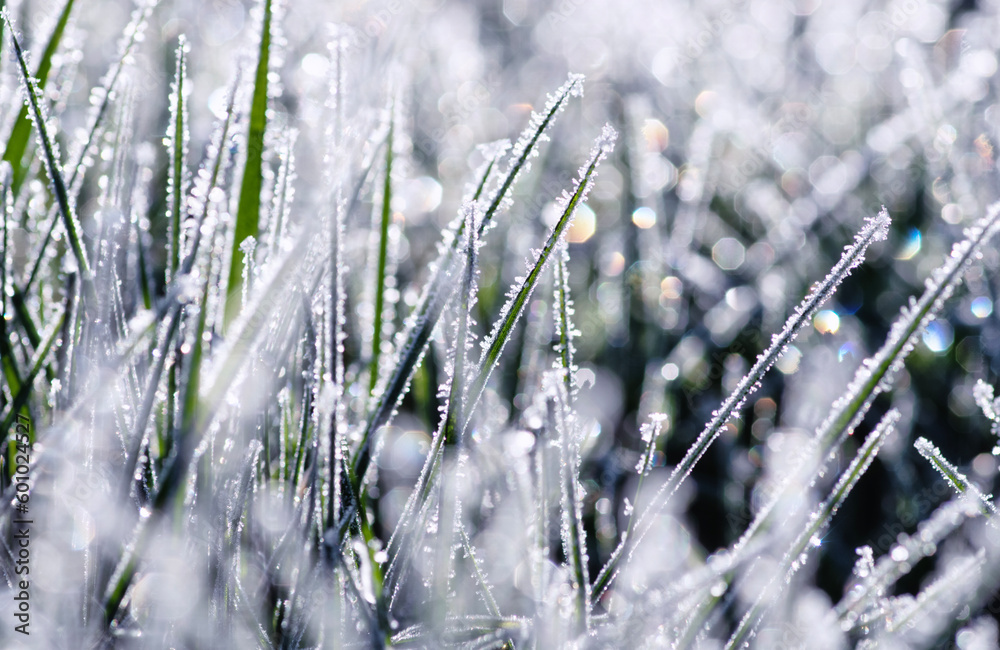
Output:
x=277 y=399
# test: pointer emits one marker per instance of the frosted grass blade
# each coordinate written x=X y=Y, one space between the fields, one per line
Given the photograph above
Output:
x=421 y=323
x=521 y=291
x=933 y=600
x=450 y=509
x=572 y=532
x=23 y=392
x=905 y=554
x=54 y=169
x=956 y=479
x=875 y=229
x=248 y=210
x=564 y=325
x=818 y=521
x=382 y=261
x=105 y=93
x=17 y=142
x=177 y=139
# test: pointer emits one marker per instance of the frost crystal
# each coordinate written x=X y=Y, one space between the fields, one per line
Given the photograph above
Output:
x=649 y=432
x=990 y=405
x=950 y=473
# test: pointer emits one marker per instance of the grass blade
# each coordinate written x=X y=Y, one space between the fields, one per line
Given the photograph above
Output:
x=818 y=521
x=54 y=169
x=248 y=210
x=519 y=294
x=956 y=479
x=573 y=536
x=133 y=34
x=177 y=139
x=383 y=252
x=875 y=229
x=425 y=317
x=24 y=390
x=17 y=143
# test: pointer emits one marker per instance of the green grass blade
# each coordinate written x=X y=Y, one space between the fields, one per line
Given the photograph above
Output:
x=428 y=311
x=17 y=143
x=564 y=325
x=54 y=169
x=383 y=252
x=8 y=362
x=809 y=537
x=177 y=137
x=248 y=210
x=24 y=392
x=956 y=479
x=133 y=34
x=574 y=538
x=519 y=297
x=874 y=230
x=454 y=414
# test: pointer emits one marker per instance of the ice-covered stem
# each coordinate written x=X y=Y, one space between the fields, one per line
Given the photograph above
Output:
x=573 y=536
x=520 y=291
x=424 y=318
x=955 y=478
x=875 y=229
x=818 y=521
x=177 y=142
x=248 y=209
x=990 y=406
x=383 y=259
x=958 y=581
x=877 y=374
x=54 y=168
x=564 y=325
x=905 y=554
x=102 y=97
